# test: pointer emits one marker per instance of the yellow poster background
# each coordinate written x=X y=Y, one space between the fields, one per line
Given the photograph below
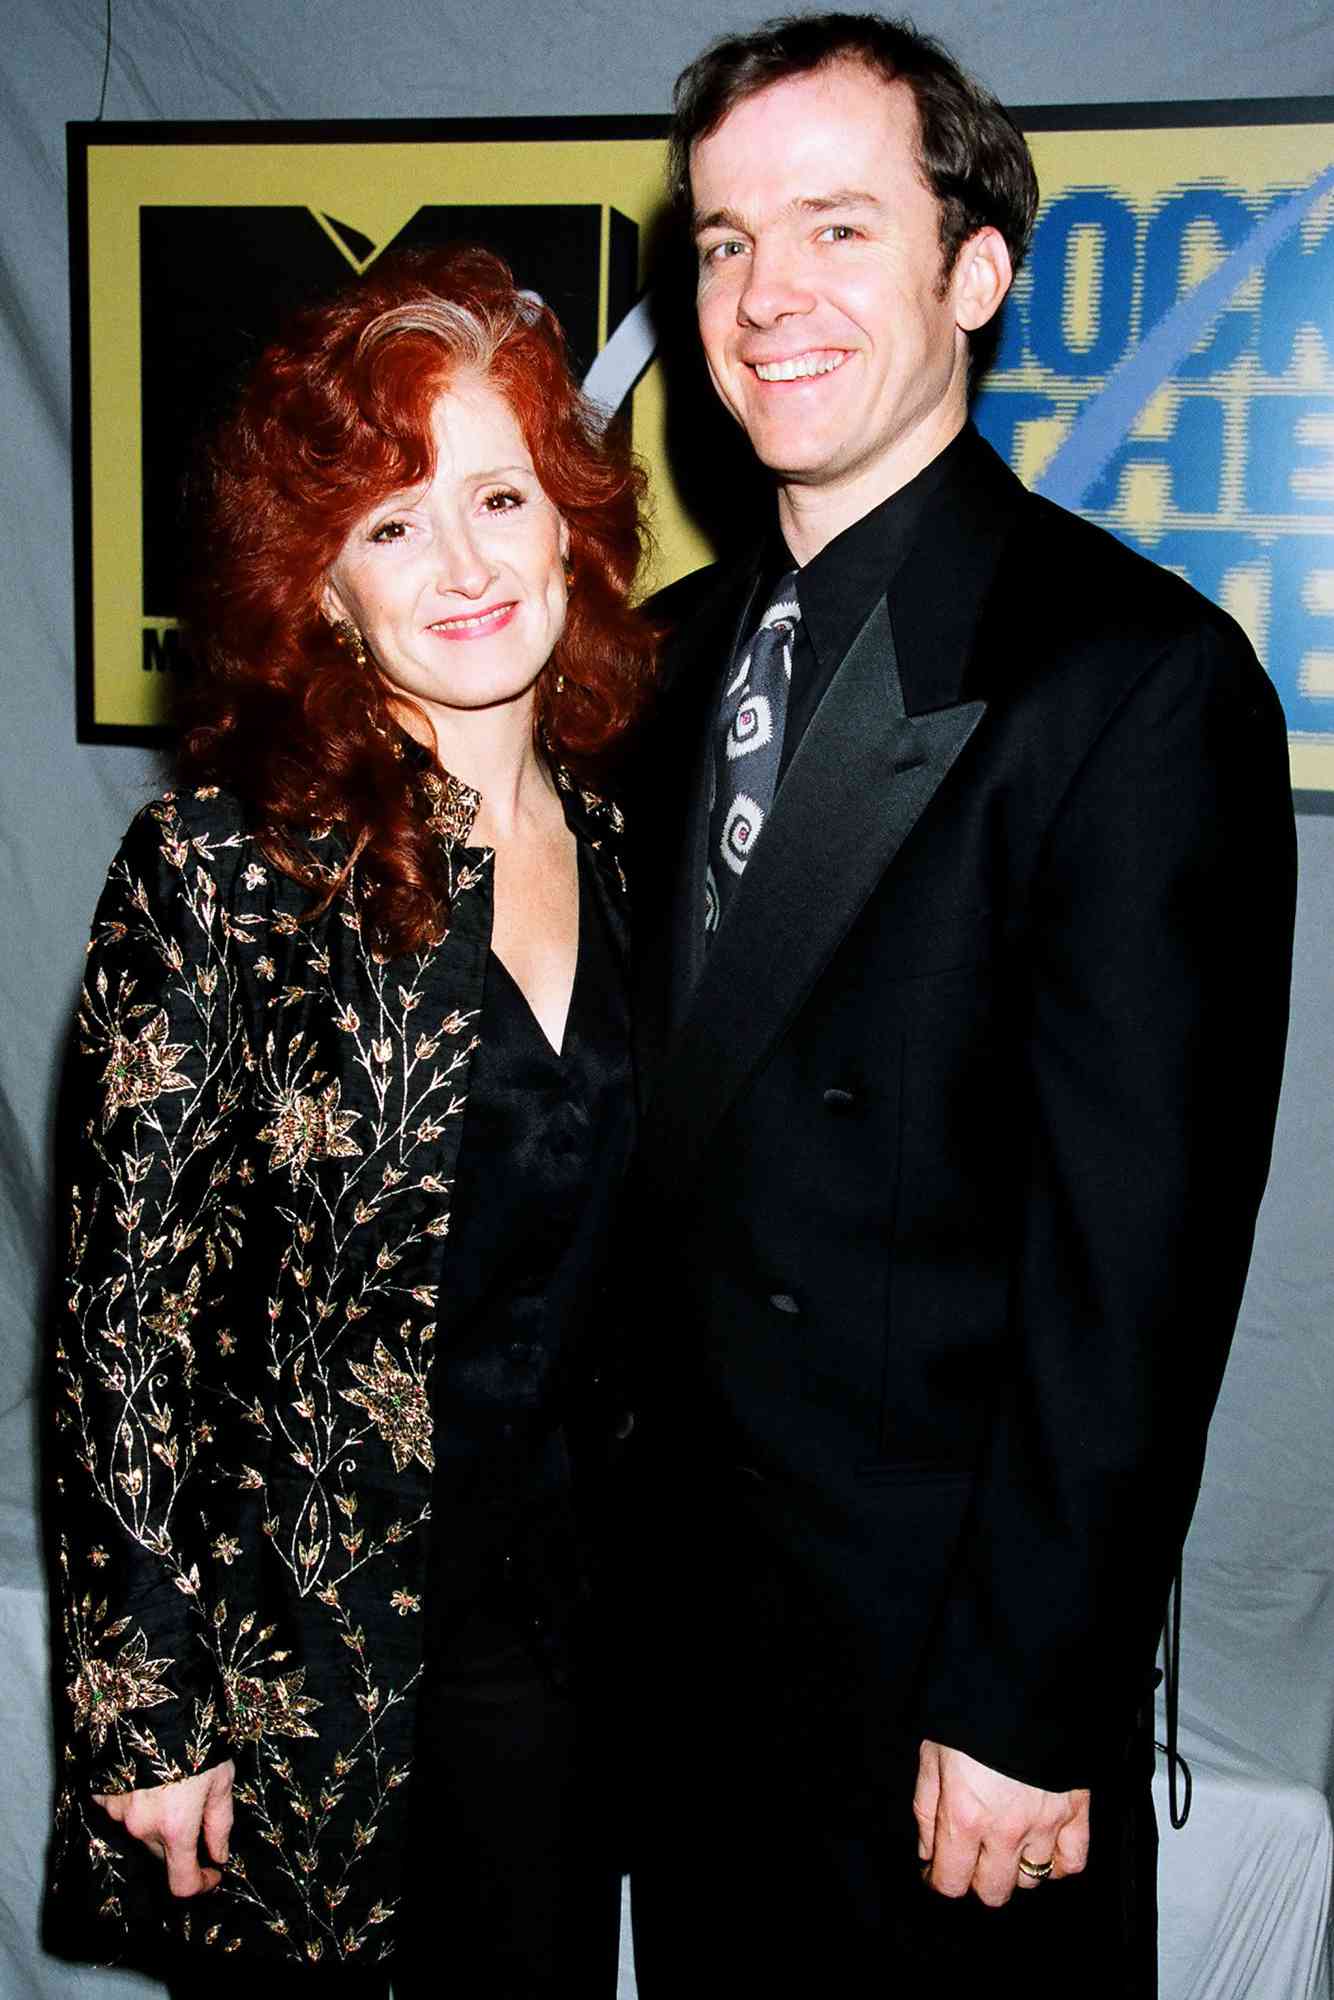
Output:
x=376 y=186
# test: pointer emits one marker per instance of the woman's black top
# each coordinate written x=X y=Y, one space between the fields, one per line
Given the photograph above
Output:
x=548 y=1136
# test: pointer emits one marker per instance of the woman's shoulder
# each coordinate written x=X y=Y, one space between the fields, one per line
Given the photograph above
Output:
x=208 y=830
x=206 y=820
x=198 y=847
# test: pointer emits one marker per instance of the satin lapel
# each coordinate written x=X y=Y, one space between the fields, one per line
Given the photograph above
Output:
x=861 y=779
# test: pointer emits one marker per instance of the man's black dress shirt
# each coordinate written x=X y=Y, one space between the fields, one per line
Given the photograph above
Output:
x=837 y=588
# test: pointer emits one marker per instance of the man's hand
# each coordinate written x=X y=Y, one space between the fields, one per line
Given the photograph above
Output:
x=973 y=1825
x=170 y=1818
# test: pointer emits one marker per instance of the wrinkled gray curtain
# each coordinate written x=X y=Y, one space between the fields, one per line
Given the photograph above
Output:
x=1260 y=1625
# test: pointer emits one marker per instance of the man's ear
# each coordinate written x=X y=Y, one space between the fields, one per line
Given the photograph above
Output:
x=981 y=277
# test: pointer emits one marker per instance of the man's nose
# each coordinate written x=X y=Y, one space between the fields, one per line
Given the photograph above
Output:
x=774 y=289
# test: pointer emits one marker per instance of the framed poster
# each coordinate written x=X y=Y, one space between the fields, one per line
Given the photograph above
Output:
x=191 y=244
x=1165 y=364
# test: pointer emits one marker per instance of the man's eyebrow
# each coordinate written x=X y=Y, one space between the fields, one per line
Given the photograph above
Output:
x=821 y=204
x=807 y=204
x=718 y=218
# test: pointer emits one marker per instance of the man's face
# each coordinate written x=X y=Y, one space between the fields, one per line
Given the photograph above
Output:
x=828 y=332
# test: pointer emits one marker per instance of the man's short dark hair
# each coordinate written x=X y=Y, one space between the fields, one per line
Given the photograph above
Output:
x=972 y=155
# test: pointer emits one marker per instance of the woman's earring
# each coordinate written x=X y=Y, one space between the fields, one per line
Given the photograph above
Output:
x=351 y=640
x=569 y=574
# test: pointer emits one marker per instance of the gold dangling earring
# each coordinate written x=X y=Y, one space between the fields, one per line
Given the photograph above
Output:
x=351 y=641
x=558 y=686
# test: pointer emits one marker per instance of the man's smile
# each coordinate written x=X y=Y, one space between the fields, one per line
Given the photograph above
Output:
x=800 y=367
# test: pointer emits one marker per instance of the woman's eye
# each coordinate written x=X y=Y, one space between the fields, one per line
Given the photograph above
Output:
x=503 y=501
x=389 y=531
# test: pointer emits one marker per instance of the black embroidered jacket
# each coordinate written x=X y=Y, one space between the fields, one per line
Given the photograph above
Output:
x=259 y=1270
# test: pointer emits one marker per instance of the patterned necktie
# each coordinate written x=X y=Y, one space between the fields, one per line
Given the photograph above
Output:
x=749 y=745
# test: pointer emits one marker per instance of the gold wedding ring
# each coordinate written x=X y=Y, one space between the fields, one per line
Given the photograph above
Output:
x=1036 y=1871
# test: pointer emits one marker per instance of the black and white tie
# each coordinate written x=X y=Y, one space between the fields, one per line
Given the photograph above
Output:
x=749 y=746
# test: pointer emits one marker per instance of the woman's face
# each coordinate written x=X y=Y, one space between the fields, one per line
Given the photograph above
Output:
x=458 y=587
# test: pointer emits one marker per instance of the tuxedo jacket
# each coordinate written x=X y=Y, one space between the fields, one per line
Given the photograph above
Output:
x=955 y=1134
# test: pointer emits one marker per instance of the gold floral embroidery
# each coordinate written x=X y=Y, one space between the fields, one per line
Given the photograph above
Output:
x=274 y=1707
x=177 y=1311
x=105 y=1692
x=307 y=1128
x=238 y=1346
x=142 y=1070
x=452 y=805
x=398 y=1406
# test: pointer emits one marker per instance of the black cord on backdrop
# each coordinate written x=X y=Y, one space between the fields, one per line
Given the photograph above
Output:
x=106 y=69
x=1179 y=1784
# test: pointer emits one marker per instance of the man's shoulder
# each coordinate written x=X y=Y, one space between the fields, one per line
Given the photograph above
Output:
x=698 y=593
x=1103 y=587
x=1074 y=571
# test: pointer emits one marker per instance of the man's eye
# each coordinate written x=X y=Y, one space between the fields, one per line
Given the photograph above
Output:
x=722 y=253
x=389 y=531
x=838 y=232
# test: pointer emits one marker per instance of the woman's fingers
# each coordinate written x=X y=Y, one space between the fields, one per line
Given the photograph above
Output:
x=217 y=1823
x=170 y=1819
x=185 y=1877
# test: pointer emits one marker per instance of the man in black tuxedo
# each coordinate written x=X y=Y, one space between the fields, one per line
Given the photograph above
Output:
x=965 y=892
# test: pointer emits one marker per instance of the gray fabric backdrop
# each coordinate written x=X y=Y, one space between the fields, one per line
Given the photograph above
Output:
x=1261 y=1546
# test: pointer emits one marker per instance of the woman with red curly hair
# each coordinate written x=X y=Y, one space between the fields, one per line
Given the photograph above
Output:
x=356 y=1090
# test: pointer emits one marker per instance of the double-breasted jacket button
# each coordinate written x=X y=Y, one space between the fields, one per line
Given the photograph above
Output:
x=783 y=1302
x=838 y=1099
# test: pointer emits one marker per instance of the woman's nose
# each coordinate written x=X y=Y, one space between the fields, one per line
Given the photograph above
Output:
x=463 y=566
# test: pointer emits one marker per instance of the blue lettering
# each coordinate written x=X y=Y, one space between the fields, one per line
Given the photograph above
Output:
x=1088 y=209
x=1294 y=628
x=1298 y=293
x=1207 y=557
x=1000 y=414
x=1278 y=453
x=1010 y=340
x=1192 y=454
x=1298 y=627
x=1165 y=243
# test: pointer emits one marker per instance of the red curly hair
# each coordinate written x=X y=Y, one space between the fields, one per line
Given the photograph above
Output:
x=335 y=418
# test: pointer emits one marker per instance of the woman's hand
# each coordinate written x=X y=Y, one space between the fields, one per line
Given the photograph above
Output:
x=170 y=1818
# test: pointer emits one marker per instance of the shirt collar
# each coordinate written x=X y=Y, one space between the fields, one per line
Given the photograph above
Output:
x=838 y=587
x=453 y=805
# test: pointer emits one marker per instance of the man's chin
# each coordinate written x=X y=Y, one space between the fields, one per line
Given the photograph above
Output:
x=791 y=465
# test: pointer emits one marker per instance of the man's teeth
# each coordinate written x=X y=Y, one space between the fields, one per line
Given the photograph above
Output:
x=804 y=364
